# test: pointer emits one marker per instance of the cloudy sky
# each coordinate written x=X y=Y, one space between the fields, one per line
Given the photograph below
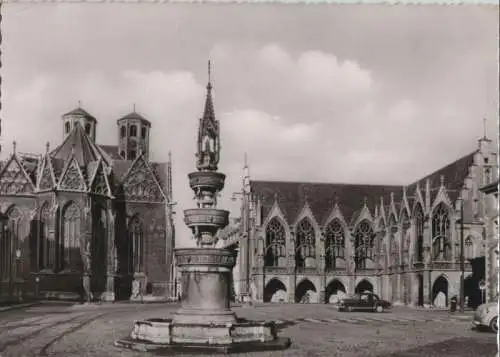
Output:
x=362 y=94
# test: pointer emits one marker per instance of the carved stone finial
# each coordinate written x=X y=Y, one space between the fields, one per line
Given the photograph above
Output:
x=47 y=147
x=441 y=179
x=392 y=197
x=365 y=201
x=275 y=197
x=14 y=145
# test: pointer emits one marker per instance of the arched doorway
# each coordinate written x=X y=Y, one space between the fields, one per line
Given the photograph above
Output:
x=305 y=292
x=334 y=292
x=472 y=292
x=440 y=292
x=420 y=297
x=364 y=285
x=274 y=291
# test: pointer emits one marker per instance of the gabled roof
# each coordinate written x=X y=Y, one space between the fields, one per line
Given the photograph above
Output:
x=454 y=175
x=85 y=150
x=111 y=151
x=320 y=196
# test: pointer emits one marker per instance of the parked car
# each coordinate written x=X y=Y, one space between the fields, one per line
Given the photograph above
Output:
x=364 y=301
x=486 y=316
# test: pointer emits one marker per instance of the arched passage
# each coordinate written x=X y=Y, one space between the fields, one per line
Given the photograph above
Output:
x=364 y=285
x=440 y=292
x=334 y=292
x=274 y=288
x=472 y=292
x=304 y=290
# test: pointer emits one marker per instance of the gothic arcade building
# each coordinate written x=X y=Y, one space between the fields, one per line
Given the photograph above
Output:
x=85 y=208
x=316 y=241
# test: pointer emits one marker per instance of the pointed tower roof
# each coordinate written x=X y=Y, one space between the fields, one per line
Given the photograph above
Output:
x=77 y=143
x=135 y=116
x=80 y=112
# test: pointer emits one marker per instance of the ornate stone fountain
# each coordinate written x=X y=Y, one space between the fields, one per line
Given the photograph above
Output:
x=205 y=321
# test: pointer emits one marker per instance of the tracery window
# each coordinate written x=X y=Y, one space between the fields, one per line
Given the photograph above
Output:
x=363 y=244
x=393 y=244
x=133 y=130
x=9 y=242
x=419 y=233
x=275 y=243
x=69 y=251
x=468 y=248
x=305 y=247
x=137 y=240
x=46 y=247
x=441 y=246
x=405 y=237
x=334 y=244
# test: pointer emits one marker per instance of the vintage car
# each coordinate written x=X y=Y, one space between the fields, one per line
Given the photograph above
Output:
x=486 y=317
x=366 y=301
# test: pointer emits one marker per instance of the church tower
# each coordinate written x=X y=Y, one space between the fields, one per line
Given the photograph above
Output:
x=133 y=136
x=80 y=116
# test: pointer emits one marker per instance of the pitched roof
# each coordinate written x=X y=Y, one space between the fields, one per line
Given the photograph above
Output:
x=111 y=151
x=80 y=112
x=80 y=144
x=136 y=116
x=320 y=197
x=454 y=175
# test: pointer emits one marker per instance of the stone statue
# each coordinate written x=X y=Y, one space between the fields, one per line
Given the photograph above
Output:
x=136 y=289
x=87 y=266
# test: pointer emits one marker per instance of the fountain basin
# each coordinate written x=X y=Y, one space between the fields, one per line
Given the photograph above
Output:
x=165 y=334
x=206 y=217
x=213 y=181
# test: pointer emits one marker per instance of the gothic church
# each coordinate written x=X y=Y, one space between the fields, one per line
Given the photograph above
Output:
x=86 y=209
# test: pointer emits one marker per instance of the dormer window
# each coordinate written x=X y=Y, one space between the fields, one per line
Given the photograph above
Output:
x=143 y=132
x=88 y=128
x=123 y=131
x=67 y=127
x=133 y=130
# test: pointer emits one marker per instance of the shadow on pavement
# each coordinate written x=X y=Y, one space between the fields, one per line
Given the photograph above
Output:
x=456 y=347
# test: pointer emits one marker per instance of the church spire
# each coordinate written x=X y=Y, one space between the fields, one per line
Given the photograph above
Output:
x=208 y=133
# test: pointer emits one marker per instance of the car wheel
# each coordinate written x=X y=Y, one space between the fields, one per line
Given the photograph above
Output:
x=379 y=308
x=494 y=324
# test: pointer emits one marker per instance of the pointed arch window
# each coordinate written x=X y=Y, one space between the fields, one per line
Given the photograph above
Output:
x=334 y=244
x=419 y=234
x=133 y=131
x=363 y=244
x=441 y=246
x=305 y=247
x=88 y=128
x=9 y=242
x=275 y=243
x=137 y=239
x=468 y=248
x=69 y=251
x=143 y=132
x=123 y=131
x=67 y=127
x=393 y=243
x=405 y=238
x=46 y=245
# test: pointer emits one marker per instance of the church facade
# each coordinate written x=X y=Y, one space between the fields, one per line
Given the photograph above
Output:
x=84 y=209
x=315 y=242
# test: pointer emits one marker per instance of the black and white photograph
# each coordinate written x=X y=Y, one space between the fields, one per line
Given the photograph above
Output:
x=248 y=179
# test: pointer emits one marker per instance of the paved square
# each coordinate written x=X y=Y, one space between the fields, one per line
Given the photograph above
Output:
x=315 y=330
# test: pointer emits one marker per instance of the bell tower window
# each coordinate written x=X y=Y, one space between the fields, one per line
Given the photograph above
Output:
x=67 y=127
x=143 y=132
x=88 y=128
x=123 y=131
x=133 y=130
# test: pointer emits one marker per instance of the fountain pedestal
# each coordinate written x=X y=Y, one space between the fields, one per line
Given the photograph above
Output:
x=206 y=279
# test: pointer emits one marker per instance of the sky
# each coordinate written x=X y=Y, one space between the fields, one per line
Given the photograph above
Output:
x=331 y=93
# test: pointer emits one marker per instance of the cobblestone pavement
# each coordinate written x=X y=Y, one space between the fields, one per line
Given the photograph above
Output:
x=315 y=330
